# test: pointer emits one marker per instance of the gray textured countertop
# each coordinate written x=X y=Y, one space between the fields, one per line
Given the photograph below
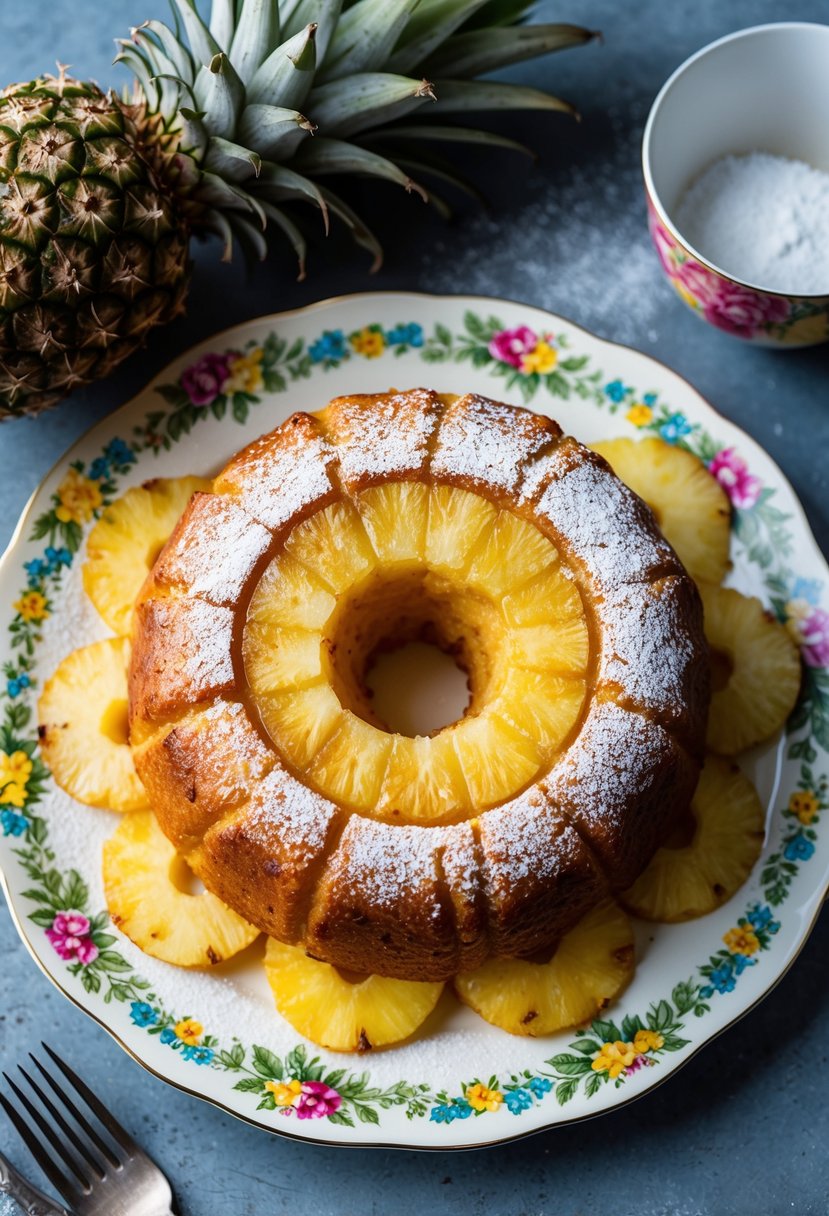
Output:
x=743 y=1127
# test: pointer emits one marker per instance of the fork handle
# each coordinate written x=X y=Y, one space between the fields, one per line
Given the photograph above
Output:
x=31 y=1200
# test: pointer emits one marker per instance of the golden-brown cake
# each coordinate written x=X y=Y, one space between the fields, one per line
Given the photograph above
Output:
x=384 y=518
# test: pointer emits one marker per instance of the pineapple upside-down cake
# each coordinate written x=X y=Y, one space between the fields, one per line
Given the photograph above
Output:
x=381 y=519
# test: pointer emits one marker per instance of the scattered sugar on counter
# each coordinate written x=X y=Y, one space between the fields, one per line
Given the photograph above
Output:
x=763 y=219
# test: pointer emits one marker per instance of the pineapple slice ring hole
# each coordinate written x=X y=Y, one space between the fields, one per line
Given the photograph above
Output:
x=722 y=669
x=183 y=878
x=115 y=722
x=392 y=618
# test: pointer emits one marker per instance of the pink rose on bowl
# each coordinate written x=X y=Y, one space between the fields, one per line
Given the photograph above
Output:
x=698 y=281
x=510 y=345
x=742 y=311
x=317 y=1100
x=69 y=935
x=731 y=471
x=814 y=632
x=664 y=247
x=203 y=380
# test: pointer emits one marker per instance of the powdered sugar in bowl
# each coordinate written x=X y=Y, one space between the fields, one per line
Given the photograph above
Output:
x=721 y=185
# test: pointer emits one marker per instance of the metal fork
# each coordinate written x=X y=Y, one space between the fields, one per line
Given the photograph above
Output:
x=98 y=1171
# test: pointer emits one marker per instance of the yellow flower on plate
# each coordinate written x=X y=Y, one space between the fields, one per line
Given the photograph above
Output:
x=189 y=1031
x=541 y=359
x=481 y=1098
x=639 y=414
x=368 y=342
x=245 y=373
x=614 y=1058
x=79 y=498
x=15 y=770
x=647 y=1040
x=742 y=940
x=285 y=1093
x=32 y=606
x=805 y=805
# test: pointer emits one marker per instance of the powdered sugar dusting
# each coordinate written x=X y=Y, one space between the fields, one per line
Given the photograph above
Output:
x=281 y=806
x=216 y=547
x=388 y=865
x=186 y=654
x=600 y=520
x=487 y=442
x=387 y=438
x=523 y=840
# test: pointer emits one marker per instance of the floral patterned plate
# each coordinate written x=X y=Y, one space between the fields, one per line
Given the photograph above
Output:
x=463 y=1083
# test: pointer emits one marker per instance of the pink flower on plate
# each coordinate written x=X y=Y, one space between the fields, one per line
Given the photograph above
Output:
x=731 y=471
x=814 y=632
x=69 y=935
x=511 y=345
x=203 y=380
x=317 y=1100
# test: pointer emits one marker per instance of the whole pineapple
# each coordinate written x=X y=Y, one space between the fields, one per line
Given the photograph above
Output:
x=99 y=195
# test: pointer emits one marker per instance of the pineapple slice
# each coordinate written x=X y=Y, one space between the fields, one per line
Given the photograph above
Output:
x=333 y=544
x=351 y=766
x=424 y=779
x=288 y=595
x=84 y=729
x=591 y=965
x=686 y=879
x=551 y=596
x=691 y=507
x=495 y=757
x=340 y=1012
x=512 y=552
x=546 y=705
x=755 y=671
x=145 y=885
x=457 y=521
x=301 y=721
x=125 y=542
x=562 y=647
x=277 y=659
x=395 y=517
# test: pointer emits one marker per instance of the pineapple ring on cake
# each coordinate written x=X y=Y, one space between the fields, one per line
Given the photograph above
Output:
x=83 y=727
x=344 y=1012
x=124 y=543
x=707 y=859
x=589 y=967
x=480 y=528
x=691 y=507
x=145 y=886
x=755 y=670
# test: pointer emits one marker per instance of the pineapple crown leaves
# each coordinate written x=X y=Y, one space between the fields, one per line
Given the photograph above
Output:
x=264 y=99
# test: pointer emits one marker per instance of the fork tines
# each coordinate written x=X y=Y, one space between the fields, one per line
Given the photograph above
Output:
x=70 y=1149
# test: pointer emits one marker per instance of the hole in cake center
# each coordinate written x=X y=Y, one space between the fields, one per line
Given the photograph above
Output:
x=722 y=669
x=417 y=688
x=115 y=722
x=183 y=878
x=410 y=652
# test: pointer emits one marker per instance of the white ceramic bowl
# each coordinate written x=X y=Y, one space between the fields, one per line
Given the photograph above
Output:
x=764 y=89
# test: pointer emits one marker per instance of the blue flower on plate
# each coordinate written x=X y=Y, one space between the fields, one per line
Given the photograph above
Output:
x=807 y=589
x=169 y=1036
x=675 y=428
x=517 y=1100
x=540 y=1086
x=329 y=348
x=798 y=848
x=143 y=1015
x=616 y=390
x=36 y=569
x=13 y=823
x=16 y=684
x=722 y=978
x=445 y=1113
x=199 y=1055
x=405 y=335
x=119 y=453
x=99 y=469
x=57 y=558
x=760 y=917
x=650 y=399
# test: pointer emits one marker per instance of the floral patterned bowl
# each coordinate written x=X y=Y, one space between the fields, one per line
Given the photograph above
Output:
x=764 y=89
x=216 y=1034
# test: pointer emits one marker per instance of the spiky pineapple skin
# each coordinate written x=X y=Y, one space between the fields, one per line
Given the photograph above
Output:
x=93 y=248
